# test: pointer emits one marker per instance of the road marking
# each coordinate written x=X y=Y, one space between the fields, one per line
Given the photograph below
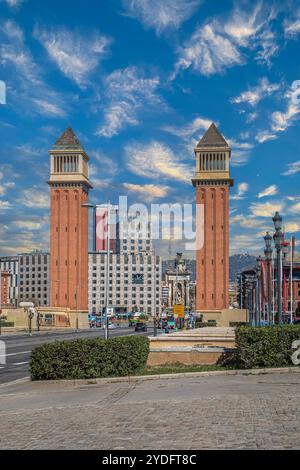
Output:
x=15 y=354
x=20 y=363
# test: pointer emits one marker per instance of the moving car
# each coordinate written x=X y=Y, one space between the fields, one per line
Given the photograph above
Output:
x=139 y=326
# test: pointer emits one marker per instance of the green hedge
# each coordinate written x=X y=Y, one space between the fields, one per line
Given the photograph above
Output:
x=233 y=324
x=89 y=358
x=7 y=323
x=265 y=346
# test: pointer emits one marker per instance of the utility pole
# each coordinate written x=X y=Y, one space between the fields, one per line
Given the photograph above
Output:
x=107 y=271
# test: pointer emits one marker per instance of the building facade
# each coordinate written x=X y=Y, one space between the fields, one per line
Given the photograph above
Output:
x=134 y=282
x=69 y=188
x=9 y=269
x=212 y=183
x=34 y=278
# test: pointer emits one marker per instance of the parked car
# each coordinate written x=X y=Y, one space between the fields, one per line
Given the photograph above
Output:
x=140 y=327
x=110 y=325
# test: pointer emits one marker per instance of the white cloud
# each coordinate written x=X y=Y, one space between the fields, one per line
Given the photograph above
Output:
x=4 y=205
x=27 y=86
x=266 y=209
x=240 y=152
x=292 y=227
x=218 y=44
x=156 y=160
x=255 y=94
x=161 y=15
x=105 y=165
x=5 y=186
x=34 y=197
x=265 y=136
x=247 y=222
x=189 y=130
x=127 y=91
x=76 y=55
x=292 y=26
x=241 y=191
x=29 y=224
x=148 y=192
x=292 y=168
x=269 y=191
x=14 y=3
x=208 y=52
x=295 y=208
x=282 y=120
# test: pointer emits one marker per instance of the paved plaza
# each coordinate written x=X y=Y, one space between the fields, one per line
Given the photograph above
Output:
x=211 y=412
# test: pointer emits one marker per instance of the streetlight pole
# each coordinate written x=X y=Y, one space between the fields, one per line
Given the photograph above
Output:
x=107 y=271
x=258 y=289
x=268 y=255
x=278 y=240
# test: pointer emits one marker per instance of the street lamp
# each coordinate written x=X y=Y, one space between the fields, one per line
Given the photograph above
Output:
x=278 y=240
x=258 y=286
x=268 y=254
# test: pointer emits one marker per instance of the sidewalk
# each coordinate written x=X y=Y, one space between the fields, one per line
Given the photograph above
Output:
x=205 y=412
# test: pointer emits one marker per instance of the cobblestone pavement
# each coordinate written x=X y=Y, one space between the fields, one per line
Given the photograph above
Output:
x=222 y=412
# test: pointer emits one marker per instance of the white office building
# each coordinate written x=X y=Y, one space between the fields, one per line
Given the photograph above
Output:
x=134 y=282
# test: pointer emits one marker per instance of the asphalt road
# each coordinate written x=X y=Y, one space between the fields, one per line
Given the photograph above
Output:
x=18 y=348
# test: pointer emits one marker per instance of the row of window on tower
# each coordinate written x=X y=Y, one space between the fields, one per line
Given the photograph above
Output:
x=213 y=162
x=66 y=164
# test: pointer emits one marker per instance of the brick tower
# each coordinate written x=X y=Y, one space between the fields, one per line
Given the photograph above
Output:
x=212 y=183
x=69 y=187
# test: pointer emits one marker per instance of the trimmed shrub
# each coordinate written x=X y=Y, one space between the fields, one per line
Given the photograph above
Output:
x=89 y=358
x=269 y=346
x=211 y=323
x=7 y=323
x=234 y=324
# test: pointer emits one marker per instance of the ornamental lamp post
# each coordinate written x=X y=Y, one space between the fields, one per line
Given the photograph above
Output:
x=258 y=286
x=268 y=254
x=278 y=241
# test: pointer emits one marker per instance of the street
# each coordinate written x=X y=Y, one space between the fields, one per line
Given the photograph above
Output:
x=207 y=412
x=18 y=348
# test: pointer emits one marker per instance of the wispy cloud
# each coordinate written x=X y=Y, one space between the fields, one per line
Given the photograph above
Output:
x=35 y=197
x=265 y=136
x=242 y=189
x=156 y=160
x=292 y=169
x=75 y=54
x=282 y=120
x=292 y=227
x=103 y=164
x=292 y=25
x=266 y=209
x=269 y=191
x=189 y=130
x=147 y=192
x=161 y=15
x=255 y=94
x=127 y=91
x=14 y=3
x=219 y=44
x=27 y=86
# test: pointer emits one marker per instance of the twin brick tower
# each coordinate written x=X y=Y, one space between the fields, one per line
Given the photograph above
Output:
x=69 y=187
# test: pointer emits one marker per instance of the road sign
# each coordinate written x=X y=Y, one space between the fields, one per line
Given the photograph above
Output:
x=178 y=310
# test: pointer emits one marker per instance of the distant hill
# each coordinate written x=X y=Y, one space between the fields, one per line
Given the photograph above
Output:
x=237 y=263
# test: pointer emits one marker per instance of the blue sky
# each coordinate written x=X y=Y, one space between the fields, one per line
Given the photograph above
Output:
x=140 y=81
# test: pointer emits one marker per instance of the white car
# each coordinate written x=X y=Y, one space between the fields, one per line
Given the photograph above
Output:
x=110 y=326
